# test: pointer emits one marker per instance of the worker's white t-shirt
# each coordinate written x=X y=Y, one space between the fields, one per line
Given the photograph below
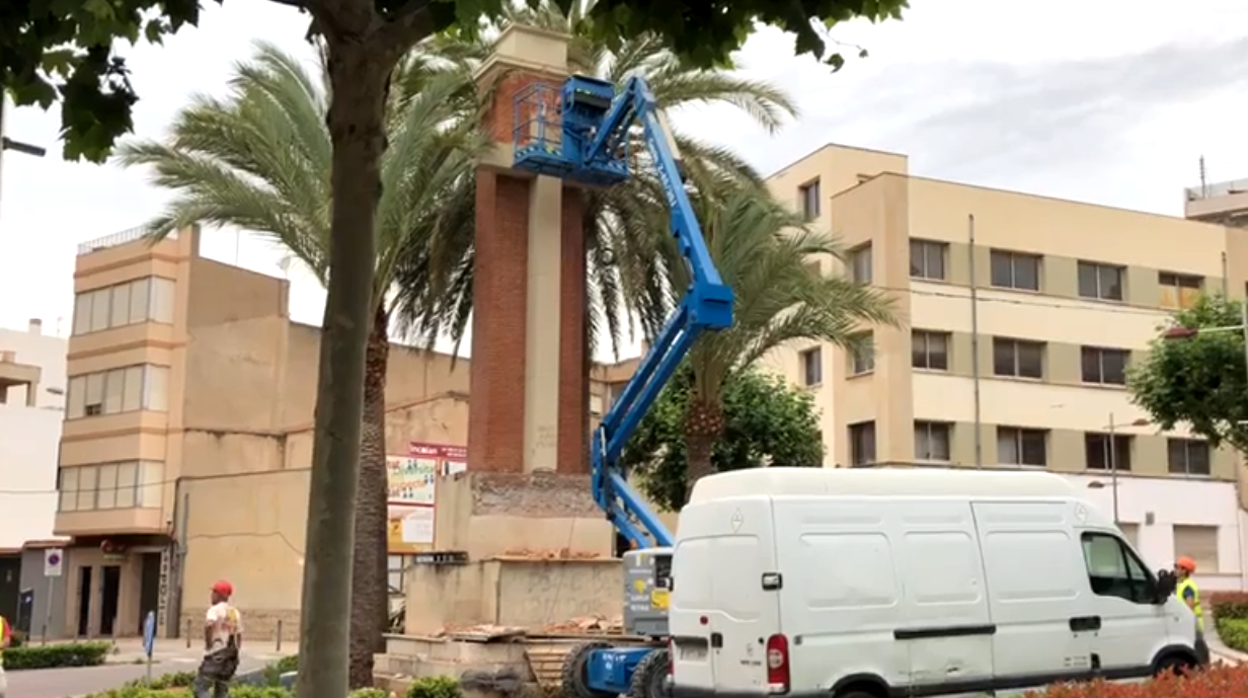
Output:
x=225 y=622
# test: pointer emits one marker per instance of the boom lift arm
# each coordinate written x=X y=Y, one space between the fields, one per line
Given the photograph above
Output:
x=590 y=145
x=707 y=304
x=593 y=148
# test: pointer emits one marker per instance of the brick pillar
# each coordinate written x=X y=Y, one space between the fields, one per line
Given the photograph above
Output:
x=573 y=340
x=529 y=377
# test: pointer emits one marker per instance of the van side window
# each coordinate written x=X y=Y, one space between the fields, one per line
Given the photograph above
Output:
x=1114 y=570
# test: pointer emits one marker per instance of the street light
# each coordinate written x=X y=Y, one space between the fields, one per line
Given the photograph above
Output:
x=1113 y=455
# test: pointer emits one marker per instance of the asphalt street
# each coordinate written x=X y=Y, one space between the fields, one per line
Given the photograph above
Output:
x=65 y=683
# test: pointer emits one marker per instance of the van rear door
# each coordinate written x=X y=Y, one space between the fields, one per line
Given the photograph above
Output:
x=721 y=615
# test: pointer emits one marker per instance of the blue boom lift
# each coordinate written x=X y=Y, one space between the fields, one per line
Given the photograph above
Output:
x=583 y=136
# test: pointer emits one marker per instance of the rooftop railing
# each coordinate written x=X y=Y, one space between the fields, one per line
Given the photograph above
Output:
x=1217 y=189
x=117 y=239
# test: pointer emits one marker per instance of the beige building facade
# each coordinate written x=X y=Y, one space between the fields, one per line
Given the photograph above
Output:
x=1020 y=316
x=188 y=436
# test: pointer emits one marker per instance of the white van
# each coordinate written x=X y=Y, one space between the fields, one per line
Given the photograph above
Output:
x=844 y=583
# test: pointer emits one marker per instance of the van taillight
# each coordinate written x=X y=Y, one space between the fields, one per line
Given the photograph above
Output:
x=777 y=664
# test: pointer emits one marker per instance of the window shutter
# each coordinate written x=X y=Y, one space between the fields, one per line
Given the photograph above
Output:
x=1199 y=543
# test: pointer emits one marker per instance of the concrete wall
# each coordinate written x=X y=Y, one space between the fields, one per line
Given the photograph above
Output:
x=29 y=437
x=49 y=591
x=509 y=592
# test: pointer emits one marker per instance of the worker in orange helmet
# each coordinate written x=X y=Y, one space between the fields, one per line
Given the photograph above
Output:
x=1186 y=589
x=223 y=638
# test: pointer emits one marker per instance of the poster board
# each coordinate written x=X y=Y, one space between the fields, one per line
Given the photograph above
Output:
x=412 y=495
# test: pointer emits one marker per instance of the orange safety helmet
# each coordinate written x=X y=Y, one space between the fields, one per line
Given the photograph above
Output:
x=1186 y=564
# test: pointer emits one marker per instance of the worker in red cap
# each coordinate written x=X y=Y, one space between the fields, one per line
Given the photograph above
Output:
x=223 y=639
x=1186 y=589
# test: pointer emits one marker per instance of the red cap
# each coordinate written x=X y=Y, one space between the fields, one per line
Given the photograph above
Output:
x=223 y=588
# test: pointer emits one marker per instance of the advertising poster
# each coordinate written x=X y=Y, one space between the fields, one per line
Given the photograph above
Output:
x=412 y=480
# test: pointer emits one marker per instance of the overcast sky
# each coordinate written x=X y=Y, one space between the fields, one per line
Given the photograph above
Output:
x=1111 y=102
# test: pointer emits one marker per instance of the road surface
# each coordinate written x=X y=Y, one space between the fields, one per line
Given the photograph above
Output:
x=64 y=683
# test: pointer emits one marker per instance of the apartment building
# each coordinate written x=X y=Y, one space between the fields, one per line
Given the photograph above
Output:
x=32 y=389
x=1020 y=316
x=188 y=436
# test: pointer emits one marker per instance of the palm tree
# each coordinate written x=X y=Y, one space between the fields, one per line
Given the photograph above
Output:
x=620 y=245
x=763 y=252
x=260 y=160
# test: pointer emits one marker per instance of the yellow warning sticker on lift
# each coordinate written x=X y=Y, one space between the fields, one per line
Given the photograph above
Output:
x=658 y=599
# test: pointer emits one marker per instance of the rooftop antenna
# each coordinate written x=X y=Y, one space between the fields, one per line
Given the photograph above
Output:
x=1204 y=187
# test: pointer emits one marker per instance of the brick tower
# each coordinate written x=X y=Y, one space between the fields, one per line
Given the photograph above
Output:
x=529 y=375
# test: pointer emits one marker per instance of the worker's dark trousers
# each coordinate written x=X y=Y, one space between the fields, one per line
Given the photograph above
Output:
x=1202 y=648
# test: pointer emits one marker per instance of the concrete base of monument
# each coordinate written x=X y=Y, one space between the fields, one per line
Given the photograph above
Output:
x=523 y=595
x=540 y=514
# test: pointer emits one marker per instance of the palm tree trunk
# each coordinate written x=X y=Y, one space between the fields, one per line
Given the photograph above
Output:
x=356 y=125
x=704 y=423
x=370 y=593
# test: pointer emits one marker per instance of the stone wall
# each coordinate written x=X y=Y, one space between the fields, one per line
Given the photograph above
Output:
x=258 y=625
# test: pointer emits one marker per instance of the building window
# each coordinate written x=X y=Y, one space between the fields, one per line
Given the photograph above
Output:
x=809 y=194
x=929 y=350
x=1188 y=456
x=125 y=485
x=1113 y=570
x=862 y=354
x=1017 y=357
x=1105 y=366
x=1179 y=290
x=141 y=300
x=1100 y=281
x=812 y=366
x=862 y=443
x=1022 y=446
x=1100 y=456
x=927 y=259
x=127 y=389
x=860 y=264
x=1016 y=270
x=1199 y=543
x=395 y=566
x=931 y=441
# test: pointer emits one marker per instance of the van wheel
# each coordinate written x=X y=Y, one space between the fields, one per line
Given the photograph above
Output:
x=1175 y=664
x=575 y=675
x=650 y=676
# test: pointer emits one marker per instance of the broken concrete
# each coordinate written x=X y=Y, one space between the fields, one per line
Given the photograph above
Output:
x=545 y=514
x=515 y=593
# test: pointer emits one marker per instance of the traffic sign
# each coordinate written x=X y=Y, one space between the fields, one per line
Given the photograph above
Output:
x=53 y=562
x=149 y=633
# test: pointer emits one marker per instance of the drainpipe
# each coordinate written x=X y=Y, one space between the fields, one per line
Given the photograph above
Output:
x=979 y=437
x=177 y=568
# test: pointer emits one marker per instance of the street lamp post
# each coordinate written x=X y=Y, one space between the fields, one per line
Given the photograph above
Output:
x=1113 y=456
x=10 y=144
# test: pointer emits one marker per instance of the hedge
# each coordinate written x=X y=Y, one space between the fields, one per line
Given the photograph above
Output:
x=1230 y=618
x=68 y=654
x=1215 y=682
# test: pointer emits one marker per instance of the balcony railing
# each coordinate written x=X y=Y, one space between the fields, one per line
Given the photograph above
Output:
x=1217 y=189
x=117 y=239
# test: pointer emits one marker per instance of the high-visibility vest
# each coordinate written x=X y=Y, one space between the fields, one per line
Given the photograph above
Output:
x=1181 y=591
x=6 y=633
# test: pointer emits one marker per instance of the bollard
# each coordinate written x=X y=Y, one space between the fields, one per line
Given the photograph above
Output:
x=279 y=634
x=188 y=633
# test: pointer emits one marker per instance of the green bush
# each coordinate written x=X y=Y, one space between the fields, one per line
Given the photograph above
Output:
x=369 y=693
x=434 y=687
x=69 y=654
x=274 y=670
x=1233 y=632
x=177 y=679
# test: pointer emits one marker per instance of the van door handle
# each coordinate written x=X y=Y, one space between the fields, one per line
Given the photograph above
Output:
x=717 y=640
x=1082 y=623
